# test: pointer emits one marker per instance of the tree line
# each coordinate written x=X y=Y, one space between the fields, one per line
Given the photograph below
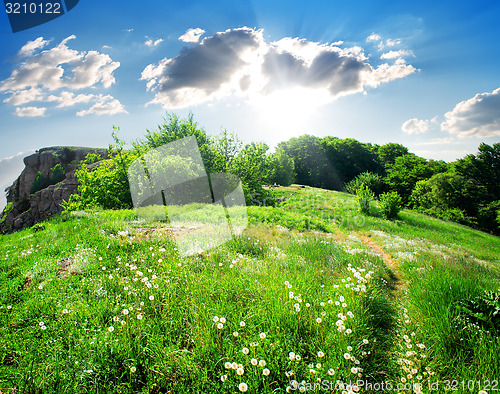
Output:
x=466 y=190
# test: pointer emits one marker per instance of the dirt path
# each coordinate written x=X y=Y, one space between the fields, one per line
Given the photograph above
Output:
x=397 y=283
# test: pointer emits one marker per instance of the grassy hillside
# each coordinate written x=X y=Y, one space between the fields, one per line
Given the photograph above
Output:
x=313 y=293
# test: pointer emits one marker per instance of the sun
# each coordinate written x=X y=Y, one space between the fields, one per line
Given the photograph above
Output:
x=289 y=111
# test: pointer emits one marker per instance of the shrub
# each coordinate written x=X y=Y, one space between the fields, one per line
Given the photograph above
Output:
x=390 y=203
x=365 y=196
x=368 y=179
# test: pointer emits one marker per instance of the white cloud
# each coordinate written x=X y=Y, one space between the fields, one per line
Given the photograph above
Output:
x=30 y=111
x=241 y=62
x=68 y=99
x=192 y=35
x=475 y=117
x=373 y=37
x=128 y=30
x=105 y=105
x=32 y=46
x=397 y=54
x=58 y=68
x=150 y=43
x=415 y=126
x=21 y=97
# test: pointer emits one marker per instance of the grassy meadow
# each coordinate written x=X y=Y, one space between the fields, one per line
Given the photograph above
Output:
x=314 y=296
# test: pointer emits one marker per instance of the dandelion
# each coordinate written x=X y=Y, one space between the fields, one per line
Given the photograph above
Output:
x=243 y=387
x=43 y=327
x=223 y=378
x=242 y=324
x=331 y=372
x=266 y=372
x=349 y=348
x=65 y=311
x=139 y=316
x=354 y=370
x=235 y=334
x=240 y=371
x=222 y=319
x=125 y=312
x=245 y=350
x=318 y=365
x=151 y=297
x=347 y=356
x=234 y=365
x=215 y=319
x=365 y=341
x=321 y=354
x=9 y=307
x=133 y=369
x=348 y=331
x=220 y=326
x=227 y=365
x=297 y=357
x=262 y=335
x=254 y=361
x=318 y=320
x=291 y=355
x=262 y=363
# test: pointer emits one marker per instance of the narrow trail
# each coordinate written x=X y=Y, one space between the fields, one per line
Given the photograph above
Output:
x=397 y=284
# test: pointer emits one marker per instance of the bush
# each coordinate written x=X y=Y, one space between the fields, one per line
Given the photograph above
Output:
x=390 y=204
x=365 y=196
x=368 y=179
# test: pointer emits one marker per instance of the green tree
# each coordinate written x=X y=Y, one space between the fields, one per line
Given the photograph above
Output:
x=365 y=197
x=388 y=153
x=369 y=179
x=283 y=168
x=390 y=204
x=404 y=174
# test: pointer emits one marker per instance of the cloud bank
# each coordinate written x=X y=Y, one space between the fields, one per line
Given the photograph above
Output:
x=192 y=35
x=240 y=62
x=57 y=69
x=475 y=117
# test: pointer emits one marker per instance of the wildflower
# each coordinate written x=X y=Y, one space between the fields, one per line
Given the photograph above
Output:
x=297 y=357
x=240 y=371
x=215 y=319
x=266 y=372
x=111 y=329
x=139 y=317
x=133 y=369
x=242 y=324
x=354 y=370
x=125 y=312
x=220 y=326
x=262 y=363
x=318 y=320
x=262 y=335
x=254 y=361
x=222 y=320
x=348 y=331
x=322 y=304
x=234 y=366
x=347 y=356
x=43 y=327
x=349 y=348
x=65 y=311
x=318 y=365
x=291 y=355
x=227 y=365
x=9 y=307
x=223 y=378
x=235 y=334
x=365 y=341
x=331 y=372
x=243 y=387
x=321 y=354
x=151 y=297
x=245 y=350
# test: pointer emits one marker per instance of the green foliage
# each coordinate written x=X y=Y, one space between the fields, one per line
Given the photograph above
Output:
x=390 y=204
x=365 y=197
x=388 y=153
x=8 y=209
x=283 y=168
x=40 y=182
x=368 y=179
x=56 y=175
x=404 y=174
x=106 y=185
x=482 y=311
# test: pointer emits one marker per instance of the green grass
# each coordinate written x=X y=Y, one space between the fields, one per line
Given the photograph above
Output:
x=77 y=313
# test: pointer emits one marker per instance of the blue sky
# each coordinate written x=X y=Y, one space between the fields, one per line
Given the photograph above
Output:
x=424 y=74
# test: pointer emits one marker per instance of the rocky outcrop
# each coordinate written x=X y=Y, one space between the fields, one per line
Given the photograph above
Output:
x=26 y=206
